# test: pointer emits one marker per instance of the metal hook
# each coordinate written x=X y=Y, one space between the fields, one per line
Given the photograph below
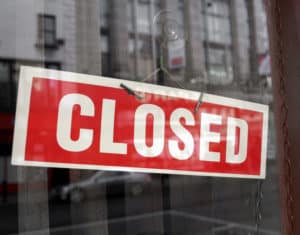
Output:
x=199 y=102
x=131 y=92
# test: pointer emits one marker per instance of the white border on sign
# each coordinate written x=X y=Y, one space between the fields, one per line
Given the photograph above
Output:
x=22 y=113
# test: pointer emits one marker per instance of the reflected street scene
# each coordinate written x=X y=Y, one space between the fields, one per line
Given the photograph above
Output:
x=76 y=191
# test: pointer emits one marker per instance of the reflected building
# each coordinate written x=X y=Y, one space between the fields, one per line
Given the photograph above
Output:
x=52 y=34
x=220 y=42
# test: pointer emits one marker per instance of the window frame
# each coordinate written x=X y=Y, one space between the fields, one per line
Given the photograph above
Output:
x=42 y=31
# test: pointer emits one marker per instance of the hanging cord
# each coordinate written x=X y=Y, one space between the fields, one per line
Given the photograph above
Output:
x=288 y=176
x=258 y=205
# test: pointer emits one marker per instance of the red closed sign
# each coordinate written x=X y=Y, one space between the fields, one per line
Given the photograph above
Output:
x=79 y=121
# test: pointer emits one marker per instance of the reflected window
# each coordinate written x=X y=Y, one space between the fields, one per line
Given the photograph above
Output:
x=218 y=29
x=218 y=41
x=105 y=54
x=4 y=72
x=104 y=13
x=220 y=63
x=104 y=43
x=50 y=65
x=218 y=24
x=104 y=29
x=130 y=16
x=47 y=30
x=144 y=47
x=218 y=8
x=141 y=30
x=5 y=86
x=143 y=16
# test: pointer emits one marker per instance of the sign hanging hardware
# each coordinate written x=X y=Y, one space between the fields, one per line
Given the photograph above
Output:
x=131 y=92
x=199 y=102
x=170 y=33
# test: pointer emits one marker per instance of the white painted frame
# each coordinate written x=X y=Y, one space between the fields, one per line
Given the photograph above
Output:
x=22 y=114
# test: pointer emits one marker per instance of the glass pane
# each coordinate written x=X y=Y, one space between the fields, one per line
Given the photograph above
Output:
x=49 y=38
x=143 y=17
x=157 y=10
x=104 y=43
x=218 y=29
x=218 y=7
x=52 y=66
x=105 y=63
x=217 y=56
x=130 y=17
x=49 y=23
x=144 y=46
x=220 y=64
x=104 y=12
x=131 y=46
x=209 y=57
x=4 y=72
